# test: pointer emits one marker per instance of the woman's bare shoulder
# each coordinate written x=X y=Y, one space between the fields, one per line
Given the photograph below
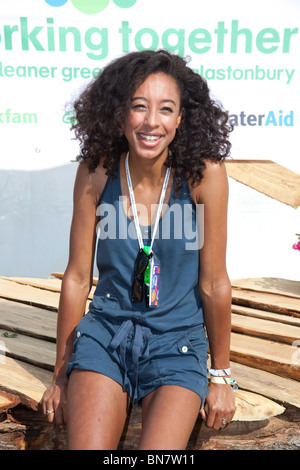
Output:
x=90 y=183
x=214 y=182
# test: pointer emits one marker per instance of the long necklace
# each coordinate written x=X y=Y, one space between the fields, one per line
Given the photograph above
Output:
x=152 y=270
x=132 y=199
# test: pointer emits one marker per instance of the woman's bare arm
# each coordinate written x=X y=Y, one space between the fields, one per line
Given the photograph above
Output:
x=76 y=282
x=214 y=285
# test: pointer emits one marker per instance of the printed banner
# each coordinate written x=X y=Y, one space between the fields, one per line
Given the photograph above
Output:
x=49 y=49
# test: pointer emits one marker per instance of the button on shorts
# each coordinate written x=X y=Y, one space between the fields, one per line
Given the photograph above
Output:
x=141 y=359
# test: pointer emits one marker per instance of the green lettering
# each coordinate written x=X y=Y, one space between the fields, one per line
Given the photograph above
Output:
x=221 y=75
x=75 y=70
x=7 y=114
x=199 y=36
x=125 y=31
x=63 y=32
x=44 y=72
x=235 y=33
x=32 y=72
x=16 y=119
x=102 y=45
x=220 y=32
x=154 y=37
x=288 y=33
x=29 y=118
x=8 y=31
x=179 y=46
x=69 y=118
x=85 y=72
x=267 y=35
x=21 y=71
x=52 y=38
x=32 y=37
x=67 y=74
x=53 y=70
x=9 y=71
x=50 y=35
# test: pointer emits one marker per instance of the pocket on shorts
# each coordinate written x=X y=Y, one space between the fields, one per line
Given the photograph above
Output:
x=81 y=328
x=194 y=342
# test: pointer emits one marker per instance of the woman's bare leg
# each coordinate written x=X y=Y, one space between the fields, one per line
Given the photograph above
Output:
x=96 y=411
x=169 y=416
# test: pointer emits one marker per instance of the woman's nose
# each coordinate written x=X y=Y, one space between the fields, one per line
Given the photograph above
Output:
x=152 y=118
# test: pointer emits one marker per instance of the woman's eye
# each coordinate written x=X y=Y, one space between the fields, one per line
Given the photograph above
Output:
x=139 y=106
x=167 y=109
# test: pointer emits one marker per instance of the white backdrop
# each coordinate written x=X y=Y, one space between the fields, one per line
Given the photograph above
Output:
x=249 y=54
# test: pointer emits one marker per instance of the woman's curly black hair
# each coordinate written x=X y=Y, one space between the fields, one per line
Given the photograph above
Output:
x=101 y=110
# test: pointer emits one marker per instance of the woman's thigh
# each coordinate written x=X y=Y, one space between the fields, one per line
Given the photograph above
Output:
x=169 y=416
x=96 y=411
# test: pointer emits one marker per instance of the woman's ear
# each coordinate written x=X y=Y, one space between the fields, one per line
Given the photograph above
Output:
x=179 y=119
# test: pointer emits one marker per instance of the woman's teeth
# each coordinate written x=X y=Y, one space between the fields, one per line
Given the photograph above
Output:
x=150 y=138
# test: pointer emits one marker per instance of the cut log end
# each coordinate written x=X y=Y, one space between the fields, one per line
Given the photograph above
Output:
x=8 y=400
x=254 y=407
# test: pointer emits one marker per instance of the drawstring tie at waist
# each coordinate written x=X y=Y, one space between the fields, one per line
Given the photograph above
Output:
x=140 y=347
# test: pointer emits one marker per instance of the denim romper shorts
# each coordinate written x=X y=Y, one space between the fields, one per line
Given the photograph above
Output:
x=142 y=347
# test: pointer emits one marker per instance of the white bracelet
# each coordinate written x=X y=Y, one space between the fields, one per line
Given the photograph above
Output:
x=224 y=380
x=219 y=372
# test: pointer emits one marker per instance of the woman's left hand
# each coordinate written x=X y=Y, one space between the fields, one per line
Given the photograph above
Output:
x=219 y=406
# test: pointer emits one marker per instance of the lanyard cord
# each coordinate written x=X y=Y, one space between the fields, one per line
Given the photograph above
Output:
x=136 y=220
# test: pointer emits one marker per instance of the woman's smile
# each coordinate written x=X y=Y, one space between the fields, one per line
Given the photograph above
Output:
x=151 y=139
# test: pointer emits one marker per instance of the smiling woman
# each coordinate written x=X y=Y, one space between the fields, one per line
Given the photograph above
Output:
x=152 y=145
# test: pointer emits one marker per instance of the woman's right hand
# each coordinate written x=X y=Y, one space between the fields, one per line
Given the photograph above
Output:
x=54 y=402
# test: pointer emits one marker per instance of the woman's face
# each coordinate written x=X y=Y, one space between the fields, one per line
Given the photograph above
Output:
x=153 y=117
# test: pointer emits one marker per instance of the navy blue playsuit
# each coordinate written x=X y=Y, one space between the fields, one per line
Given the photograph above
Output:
x=143 y=347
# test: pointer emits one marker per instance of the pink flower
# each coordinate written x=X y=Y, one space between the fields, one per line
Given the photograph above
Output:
x=296 y=246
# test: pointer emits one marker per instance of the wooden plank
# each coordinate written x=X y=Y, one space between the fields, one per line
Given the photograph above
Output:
x=282 y=389
x=265 y=328
x=26 y=319
x=26 y=380
x=275 y=317
x=265 y=301
x=28 y=294
x=267 y=177
x=37 y=297
x=271 y=285
x=31 y=350
x=270 y=356
x=53 y=284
